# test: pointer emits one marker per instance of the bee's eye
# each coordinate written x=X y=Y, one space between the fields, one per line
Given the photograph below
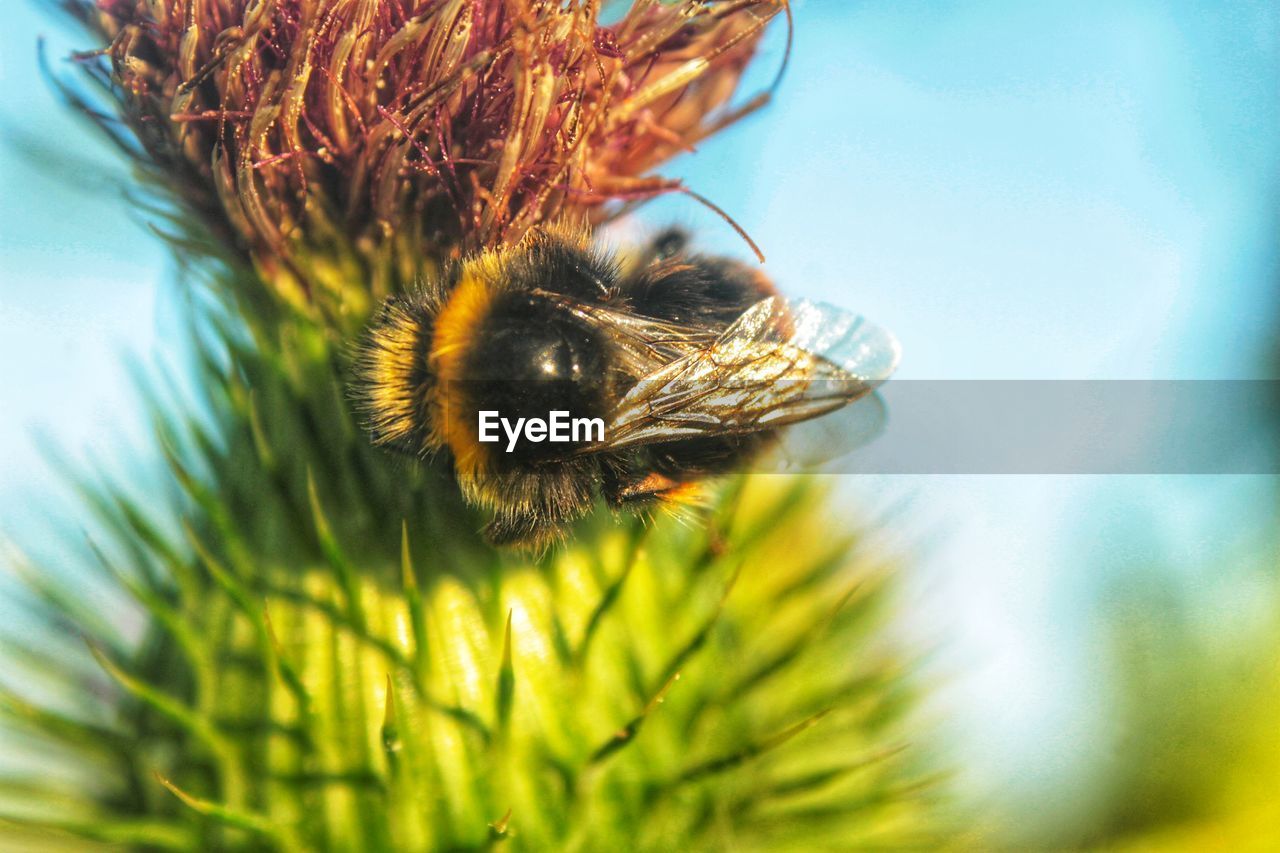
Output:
x=530 y=358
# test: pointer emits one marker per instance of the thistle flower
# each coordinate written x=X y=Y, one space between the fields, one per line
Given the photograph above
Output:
x=333 y=659
x=347 y=146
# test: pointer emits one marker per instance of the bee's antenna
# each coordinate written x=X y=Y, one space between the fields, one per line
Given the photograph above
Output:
x=742 y=232
x=786 y=52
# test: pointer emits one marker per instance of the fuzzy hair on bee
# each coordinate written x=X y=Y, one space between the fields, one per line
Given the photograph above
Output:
x=417 y=367
x=690 y=363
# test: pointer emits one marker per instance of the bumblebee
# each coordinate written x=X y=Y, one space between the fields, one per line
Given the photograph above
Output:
x=691 y=365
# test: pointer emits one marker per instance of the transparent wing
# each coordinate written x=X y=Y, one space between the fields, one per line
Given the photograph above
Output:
x=810 y=445
x=847 y=340
x=779 y=363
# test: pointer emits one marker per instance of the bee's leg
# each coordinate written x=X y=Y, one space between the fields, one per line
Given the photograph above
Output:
x=643 y=489
x=638 y=489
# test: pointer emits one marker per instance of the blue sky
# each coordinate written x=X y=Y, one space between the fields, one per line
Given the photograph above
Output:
x=1027 y=190
x=79 y=279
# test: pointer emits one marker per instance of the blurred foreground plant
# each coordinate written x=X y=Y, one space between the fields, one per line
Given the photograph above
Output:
x=1198 y=709
x=332 y=658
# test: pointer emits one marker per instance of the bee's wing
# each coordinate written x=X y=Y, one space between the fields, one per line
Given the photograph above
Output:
x=641 y=345
x=849 y=341
x=779 y=363
x=810 y=445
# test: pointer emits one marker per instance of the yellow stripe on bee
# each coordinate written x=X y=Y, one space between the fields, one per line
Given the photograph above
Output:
x=455 y=331
x=388 y=375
